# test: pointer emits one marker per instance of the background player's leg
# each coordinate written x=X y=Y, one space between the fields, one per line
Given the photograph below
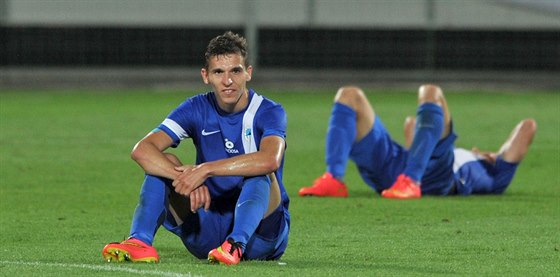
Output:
x=428 y=130
x=351 y=119
x=433 y=122
x=341 y=134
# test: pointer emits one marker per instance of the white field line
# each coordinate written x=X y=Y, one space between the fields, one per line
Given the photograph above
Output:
x=99 y=268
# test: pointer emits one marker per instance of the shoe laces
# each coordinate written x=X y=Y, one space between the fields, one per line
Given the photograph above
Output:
x=134 y=242
x=234 y=247
x=327 y=179
x=405 y=183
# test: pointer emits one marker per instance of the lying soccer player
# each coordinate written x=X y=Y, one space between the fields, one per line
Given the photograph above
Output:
x=429 y=164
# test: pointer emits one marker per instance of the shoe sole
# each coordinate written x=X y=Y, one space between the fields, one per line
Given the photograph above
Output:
x=393 y=195
x=215 y=260
x=119 y=255
x=322 y=195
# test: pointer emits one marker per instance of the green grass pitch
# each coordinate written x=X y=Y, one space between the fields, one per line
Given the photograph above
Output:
x=68 y=187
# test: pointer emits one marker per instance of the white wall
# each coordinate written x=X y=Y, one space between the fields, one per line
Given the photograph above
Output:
x=455 y=14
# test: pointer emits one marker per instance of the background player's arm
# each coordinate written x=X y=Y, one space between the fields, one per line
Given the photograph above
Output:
x=263 y=162
x=489 y=157
x=517 y=145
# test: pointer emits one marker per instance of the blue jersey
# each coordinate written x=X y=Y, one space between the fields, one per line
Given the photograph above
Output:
x=218 y=135
x=474 y=175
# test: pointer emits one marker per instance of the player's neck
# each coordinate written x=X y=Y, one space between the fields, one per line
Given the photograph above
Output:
x=235 y=107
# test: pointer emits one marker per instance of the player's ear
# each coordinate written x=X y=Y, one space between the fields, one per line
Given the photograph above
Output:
x=204 y=74
x=249 y=73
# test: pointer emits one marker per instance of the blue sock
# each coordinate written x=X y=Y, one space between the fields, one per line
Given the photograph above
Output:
x=251 y=207
x=429 y=126
x=340 y=138
x=150 y=211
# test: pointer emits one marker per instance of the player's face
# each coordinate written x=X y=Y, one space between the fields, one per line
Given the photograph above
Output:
x=228 y=77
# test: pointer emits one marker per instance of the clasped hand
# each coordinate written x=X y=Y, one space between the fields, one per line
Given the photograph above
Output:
x=190 y=183
x=489 y=157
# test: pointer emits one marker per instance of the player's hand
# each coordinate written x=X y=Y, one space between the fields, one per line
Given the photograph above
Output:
x=489 y=157
x=190 y=178
x=200 y=197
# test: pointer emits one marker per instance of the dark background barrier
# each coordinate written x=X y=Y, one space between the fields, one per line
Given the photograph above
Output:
x=301 y=48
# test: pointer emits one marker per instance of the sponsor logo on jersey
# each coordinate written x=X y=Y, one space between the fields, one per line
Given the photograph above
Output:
x=204 y=133
x=230 y=147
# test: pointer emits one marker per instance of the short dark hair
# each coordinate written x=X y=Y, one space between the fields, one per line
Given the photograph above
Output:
x=228 y=43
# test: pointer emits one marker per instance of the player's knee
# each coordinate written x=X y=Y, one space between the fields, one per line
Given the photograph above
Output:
x=350 y=95
x=409 y=120
x=430 y=93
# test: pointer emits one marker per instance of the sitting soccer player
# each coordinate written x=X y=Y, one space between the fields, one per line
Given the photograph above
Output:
x=232 y=204
x=429 y=164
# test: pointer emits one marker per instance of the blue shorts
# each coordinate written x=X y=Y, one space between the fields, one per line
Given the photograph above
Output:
x=480 y=177
x=206 y=230
x=380 y=160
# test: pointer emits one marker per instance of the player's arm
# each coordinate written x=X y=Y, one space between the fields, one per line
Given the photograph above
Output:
x=517 y=145
x=489 y=157
x=148 y=153
x=263 y=162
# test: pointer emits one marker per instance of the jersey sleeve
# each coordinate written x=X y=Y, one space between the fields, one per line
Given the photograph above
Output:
x=179 y=123
x=273 y=121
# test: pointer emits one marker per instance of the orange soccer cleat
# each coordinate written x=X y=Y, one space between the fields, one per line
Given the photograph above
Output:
x=403 y=188
x=132 y=250
x=326 y=185
x=228 y=253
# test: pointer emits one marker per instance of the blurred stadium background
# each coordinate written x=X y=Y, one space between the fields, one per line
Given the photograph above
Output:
x=497 y=44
